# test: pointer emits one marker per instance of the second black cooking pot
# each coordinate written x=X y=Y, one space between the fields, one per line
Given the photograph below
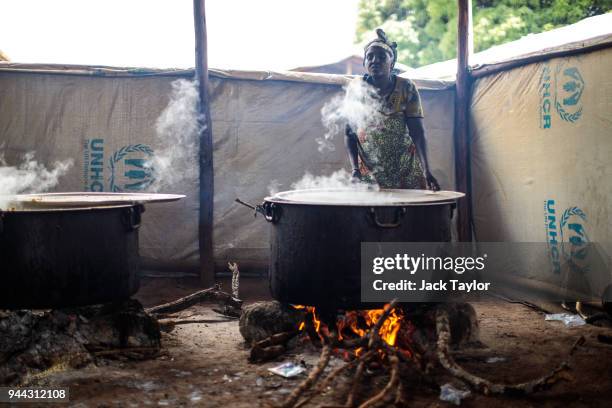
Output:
x=70 y=249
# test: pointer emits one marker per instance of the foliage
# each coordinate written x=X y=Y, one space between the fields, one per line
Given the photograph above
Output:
x=426 y=30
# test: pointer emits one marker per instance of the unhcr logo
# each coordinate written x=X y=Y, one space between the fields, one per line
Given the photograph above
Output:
x=566 y=236
x=130 y=170
x=570 y=86
x=564 y=92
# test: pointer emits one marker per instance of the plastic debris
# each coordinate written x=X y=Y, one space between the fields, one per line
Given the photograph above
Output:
x=451 y=394
x=570 y=320
x=287 y=370
x=492 y=360
x=195 y=396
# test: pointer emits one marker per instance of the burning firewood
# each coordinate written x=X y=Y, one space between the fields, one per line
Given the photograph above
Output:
x=372 y=341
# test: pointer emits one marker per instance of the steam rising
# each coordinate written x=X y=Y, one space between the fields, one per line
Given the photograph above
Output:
x=340 y=179
x=358 y=106
x=29 y=177
x=177 y=130
x=274 y=187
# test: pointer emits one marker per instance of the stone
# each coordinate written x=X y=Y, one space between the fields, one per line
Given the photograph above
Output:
x=261 y=320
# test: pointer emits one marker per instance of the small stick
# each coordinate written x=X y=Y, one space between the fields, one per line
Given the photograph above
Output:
x=374 y=335
x=169 y=325
x=311 y=379
x=350 y=400
x=485 y=386
x=259 y=354
x=275 y=339
x=200 y=321
x=152 y=350
x=374 y=339
x=399 y=395
x=235 y=279
x=385 y=392
x=520 y=302
x=352 y=343
x=213 y=293
x=321 y=387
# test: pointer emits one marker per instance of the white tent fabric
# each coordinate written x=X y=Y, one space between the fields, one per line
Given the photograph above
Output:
x=264 y=129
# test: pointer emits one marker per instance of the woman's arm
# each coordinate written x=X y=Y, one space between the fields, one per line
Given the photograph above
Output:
x=417 y=133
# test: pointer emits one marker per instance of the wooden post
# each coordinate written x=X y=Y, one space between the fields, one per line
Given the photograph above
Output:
x=207 y=271
x=462 y=137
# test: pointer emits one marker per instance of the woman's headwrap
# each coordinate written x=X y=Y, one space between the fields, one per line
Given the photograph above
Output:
x=384 y=43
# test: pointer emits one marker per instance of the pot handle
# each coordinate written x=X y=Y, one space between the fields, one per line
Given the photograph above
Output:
x=271 y=212
x=132 y=217
x=453 y=207
x=399 y=214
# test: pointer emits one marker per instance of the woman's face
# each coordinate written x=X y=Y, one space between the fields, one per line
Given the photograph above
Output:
x=378 y=62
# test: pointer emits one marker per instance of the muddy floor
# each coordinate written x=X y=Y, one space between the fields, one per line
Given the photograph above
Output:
x=206 y=364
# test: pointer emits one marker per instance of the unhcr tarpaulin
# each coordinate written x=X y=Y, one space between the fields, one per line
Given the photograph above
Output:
x=541 y=151
x=264 y=128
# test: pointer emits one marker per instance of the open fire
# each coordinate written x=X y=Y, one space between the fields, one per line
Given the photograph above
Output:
x=355 y=324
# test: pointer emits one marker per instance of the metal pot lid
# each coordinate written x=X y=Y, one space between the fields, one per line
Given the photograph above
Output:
x=80 y=199
x=361 y=197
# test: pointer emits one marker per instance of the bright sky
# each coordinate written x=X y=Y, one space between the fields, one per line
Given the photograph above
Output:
x=242 y=34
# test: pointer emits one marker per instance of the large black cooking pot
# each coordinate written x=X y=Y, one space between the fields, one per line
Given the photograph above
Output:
x=61 y=250
x=316 y=237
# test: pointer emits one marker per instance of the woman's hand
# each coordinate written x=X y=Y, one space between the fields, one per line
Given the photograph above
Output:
x=432 y=183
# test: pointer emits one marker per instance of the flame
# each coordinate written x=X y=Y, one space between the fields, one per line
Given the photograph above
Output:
x=312 y=311
x=359 y=323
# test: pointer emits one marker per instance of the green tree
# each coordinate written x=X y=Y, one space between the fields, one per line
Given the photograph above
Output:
x=426 y=30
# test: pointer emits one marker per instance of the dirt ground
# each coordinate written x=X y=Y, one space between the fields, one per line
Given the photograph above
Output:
x=206 y=364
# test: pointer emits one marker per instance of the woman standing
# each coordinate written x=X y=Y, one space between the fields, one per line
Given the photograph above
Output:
x=384 y=152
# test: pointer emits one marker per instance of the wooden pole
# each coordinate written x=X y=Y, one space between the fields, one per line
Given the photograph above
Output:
x=462 y=100
x=207 y=271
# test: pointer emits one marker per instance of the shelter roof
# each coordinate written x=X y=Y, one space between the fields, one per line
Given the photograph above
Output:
x=589 y=33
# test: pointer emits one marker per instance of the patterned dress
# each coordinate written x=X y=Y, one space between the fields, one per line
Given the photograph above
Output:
x=387 y=144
